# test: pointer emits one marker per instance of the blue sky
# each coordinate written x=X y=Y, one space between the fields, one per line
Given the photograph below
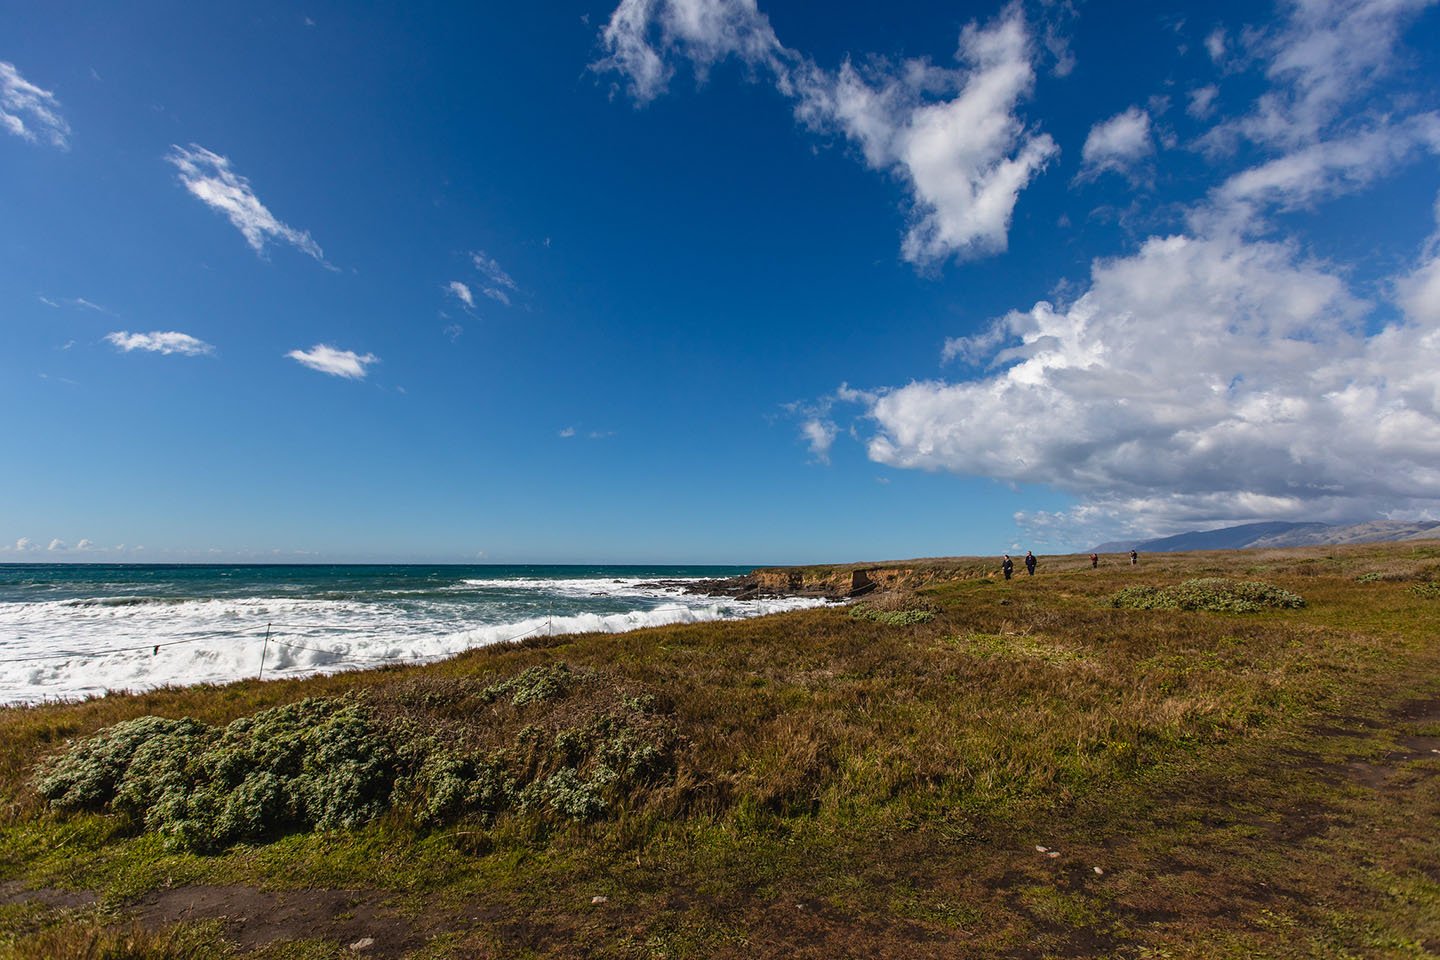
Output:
x=701 y=280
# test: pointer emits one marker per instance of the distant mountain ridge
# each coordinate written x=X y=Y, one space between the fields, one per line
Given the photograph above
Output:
x=1279 y=533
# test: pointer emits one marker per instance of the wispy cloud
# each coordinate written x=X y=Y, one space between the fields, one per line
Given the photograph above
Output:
x=210 y=179
x=497 y=285
x=338 y=363
x=567 y=433
x=29 y=112
x=158 y=341
x=461 y=292
x=820 y=435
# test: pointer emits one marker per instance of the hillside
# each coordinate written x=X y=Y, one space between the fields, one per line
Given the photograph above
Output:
x=1255 y=536
x=1202 y=756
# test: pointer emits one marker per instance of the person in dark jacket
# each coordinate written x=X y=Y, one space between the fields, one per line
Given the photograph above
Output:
x=1008 y=566
x=1094 y=561
x=1030 y=563
x=1134 y=558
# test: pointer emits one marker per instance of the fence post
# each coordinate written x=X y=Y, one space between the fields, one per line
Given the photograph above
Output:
x=264 y=650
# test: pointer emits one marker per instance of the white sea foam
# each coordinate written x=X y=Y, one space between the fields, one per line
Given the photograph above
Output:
x=89 y=647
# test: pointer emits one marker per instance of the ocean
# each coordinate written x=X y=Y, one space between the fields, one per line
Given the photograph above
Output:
x=69 y=631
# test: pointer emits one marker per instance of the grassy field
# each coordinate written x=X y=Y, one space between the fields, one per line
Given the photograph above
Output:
x=980 y=769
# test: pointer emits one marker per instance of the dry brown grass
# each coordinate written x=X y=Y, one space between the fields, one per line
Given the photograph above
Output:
x=896 y=779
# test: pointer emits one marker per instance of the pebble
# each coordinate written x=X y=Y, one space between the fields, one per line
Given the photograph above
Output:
x=1098 y=871
x=363 y=944
x=596 y=900
x=1040 y=849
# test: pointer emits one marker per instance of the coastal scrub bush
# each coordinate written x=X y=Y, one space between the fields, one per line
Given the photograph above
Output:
x=319 y=763
x=1429 y=590
x=536 y=685
x=1209 y=593
x=895 y=613
x=437 y=750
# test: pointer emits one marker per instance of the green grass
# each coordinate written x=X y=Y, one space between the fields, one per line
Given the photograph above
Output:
x=839 y=783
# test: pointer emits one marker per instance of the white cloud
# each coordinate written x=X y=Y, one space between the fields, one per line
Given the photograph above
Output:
x=1202 y=102
x=209 y=178
x=22 y=101
x=1325 y=55
x=57 y=545
x=820 y=435
x=1117 y=144
x=1215 y=44
x=567 y=432
x=1331 y=167
x=339 y=363
x=24 y=544
x=951 y=135
x=1418 y=293
x=461 y=292
x=497 y=285
x=1203 y=379
x=642 y=34
x=158 y=341
x=85 y=544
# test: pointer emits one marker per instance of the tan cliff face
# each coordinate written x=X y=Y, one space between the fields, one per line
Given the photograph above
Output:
x=844 y=582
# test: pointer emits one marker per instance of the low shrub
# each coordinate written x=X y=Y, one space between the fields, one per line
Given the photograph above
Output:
x=1209 y=593
x=893 y=612
x=557 y=742
x=1429 y=590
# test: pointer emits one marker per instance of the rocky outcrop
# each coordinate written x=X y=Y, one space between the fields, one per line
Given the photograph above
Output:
x=836 y=583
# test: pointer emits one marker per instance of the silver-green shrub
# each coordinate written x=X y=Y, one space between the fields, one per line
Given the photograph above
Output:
x=1209 y=593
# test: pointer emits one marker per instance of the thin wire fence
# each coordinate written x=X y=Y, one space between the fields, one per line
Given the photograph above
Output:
x=270 y=637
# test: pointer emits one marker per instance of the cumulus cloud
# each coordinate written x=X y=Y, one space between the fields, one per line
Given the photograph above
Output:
x=1418 y=293
x=461 y=292
x=953 y=136
x=338 y=363
x=497 y=285
x=210 y=179
x=1117 y=144
x=57 y=545
x=24 y=544
x=29 y=112
x=160 y=341
x=1201 y=379
x=85 y=544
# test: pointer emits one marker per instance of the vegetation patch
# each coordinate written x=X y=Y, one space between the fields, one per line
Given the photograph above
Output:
x=553 y=741
x=1014 y=645
x=1209 y=593
x=1429 y=590
x=893 y=611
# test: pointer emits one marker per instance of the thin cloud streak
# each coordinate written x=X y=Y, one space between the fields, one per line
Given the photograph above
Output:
x=209 y=178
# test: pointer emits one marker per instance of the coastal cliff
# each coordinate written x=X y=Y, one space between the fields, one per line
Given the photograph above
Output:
x=838 y=582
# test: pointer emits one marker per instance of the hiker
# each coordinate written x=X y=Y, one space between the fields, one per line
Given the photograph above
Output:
x=1008 y=566
x=1134 y=558
x=1094 y=561
x=1030 y=563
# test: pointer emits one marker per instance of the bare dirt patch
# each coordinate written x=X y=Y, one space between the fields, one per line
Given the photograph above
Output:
x=255 y=918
